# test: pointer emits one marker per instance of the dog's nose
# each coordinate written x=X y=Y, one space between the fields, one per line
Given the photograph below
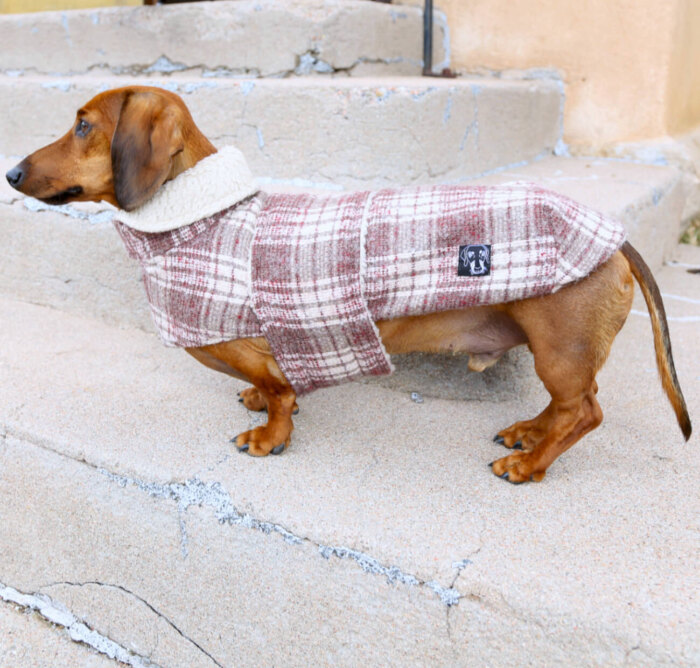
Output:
x=15 y=176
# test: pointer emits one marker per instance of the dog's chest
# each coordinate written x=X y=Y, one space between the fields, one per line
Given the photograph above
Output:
x=197 y=277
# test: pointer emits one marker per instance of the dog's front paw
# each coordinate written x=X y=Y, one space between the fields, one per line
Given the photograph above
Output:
x=261 y=441
x=517 y=468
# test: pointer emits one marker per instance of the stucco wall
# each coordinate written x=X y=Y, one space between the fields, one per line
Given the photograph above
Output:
x=631 y=67
x=684 y=85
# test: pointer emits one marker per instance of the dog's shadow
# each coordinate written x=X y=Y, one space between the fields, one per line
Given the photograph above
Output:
x=448 y=376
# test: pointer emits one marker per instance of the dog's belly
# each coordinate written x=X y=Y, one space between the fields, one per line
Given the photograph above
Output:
x=483 y=331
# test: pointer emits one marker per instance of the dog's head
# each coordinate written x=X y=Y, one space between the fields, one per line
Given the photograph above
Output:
x=478 y=258
x=124 y=144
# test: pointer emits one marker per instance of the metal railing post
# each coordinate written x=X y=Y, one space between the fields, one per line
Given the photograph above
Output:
x=428 y=38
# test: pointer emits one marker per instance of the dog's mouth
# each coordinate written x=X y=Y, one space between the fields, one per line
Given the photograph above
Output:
x=64 y=196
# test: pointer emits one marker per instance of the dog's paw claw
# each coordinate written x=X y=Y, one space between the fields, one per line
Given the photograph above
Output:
x=240 y=401
x=499 y=439
x=295 y=411
x=506 y=477
x=240 y=448
x=518 y=445
x=278 y=450
x=491 y=465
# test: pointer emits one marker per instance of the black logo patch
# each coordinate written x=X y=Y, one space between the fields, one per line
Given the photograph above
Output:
x=474 y=260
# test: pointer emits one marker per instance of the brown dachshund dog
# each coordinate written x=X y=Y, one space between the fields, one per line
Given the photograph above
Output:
x=127 y=142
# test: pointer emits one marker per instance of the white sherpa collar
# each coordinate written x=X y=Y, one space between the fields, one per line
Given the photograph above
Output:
x=212 y=185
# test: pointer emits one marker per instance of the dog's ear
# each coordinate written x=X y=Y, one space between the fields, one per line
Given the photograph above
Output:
x=146 y=138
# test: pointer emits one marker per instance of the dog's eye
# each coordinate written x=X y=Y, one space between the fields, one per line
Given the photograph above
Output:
x=82 y=128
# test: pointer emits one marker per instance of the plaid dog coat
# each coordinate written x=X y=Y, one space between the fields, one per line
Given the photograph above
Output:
x=313 y=273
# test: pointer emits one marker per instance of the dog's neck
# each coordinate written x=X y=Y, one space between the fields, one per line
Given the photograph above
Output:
x=213 y=184
x=196 y=148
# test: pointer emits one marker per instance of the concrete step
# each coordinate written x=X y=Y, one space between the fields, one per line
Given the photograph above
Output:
x=129 y=519
x=245 y=38
x=71 y=257
x=28 y=641
x=344 y=132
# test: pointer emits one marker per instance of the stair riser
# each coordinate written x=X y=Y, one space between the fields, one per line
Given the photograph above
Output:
x=71 y=265
x=244 y=38
x=339 y=132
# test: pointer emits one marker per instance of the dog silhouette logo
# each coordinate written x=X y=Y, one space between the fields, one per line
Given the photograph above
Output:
x=474 y=260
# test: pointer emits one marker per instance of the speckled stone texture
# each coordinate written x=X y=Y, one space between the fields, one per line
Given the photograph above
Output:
x=381 y=535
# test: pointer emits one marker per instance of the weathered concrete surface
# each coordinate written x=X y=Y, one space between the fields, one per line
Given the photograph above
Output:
x=238 y=597
x=28 y=641
x=70 y=263
x=344 y=132
x=680 y=151
x=246 y=38
x=116 y=467
x=79 y=264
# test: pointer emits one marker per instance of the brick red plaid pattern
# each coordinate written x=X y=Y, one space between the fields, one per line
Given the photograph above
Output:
x=312 y=274
x=307 y=290
x=539 y=242
x=197 y=277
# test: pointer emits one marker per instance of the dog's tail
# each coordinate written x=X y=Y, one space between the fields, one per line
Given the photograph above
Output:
x=662 y=342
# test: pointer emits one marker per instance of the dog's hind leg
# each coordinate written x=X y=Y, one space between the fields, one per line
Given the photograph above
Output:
x=526 y=434
x=570 y=334
x=569 y=416
x=251 y=360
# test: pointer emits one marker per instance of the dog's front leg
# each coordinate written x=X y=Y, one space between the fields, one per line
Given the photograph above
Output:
x=252 y=360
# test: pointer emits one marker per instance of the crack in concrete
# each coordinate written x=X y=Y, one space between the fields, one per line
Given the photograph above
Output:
x=195 y=492
x=459 y=566
x=362 y=60
x=473 y=126
x=448 y=595
x=35 y=205
x=561 y=148
x=446 y=42
x=56 y=613
x=157 y=612
x=307 y=63
x=161 y=66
